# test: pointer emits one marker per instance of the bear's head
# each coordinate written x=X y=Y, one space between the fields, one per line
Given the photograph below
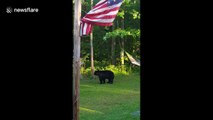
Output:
x=97 y=72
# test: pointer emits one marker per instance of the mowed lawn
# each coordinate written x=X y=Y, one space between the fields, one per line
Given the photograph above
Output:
x=117 y=101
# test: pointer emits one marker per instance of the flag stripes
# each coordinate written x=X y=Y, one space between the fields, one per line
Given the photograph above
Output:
x=102 y=14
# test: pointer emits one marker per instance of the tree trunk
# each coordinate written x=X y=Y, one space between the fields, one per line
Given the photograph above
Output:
x=91 y=47
x=113 y=48
x=92 y=58
x=122 y=46
x=76 y=59
x=122 y=55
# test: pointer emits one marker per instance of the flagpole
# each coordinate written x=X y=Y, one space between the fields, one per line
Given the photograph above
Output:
x=91 y=47
x=76 y=59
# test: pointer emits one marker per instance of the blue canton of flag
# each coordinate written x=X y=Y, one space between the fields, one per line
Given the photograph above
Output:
x=113 y=2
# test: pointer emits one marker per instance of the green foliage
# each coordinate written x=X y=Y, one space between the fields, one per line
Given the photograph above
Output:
x=129 y=14
x=103 y=65
x=135 y=14
x=121 y=33
x=121 y=14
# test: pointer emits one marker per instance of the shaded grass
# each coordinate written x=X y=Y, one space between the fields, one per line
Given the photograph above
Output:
x=115 y=101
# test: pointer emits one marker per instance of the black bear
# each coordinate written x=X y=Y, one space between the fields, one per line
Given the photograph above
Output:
x=105 y=74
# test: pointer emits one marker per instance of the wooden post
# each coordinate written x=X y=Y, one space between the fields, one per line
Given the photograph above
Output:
x=91 y=47
x=76 y=59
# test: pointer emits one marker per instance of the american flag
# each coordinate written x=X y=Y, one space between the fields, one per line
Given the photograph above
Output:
x=102 y=14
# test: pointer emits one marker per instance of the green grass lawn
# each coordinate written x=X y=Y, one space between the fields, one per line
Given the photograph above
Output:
x=117 y=101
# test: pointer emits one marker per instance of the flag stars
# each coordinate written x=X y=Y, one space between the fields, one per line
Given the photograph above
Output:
x=112 y=2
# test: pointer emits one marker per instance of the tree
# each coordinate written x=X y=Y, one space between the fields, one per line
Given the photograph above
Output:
x=91 y=47
x=113 y=43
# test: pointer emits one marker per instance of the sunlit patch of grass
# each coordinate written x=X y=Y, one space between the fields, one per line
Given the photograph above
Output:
x=86 y=86
x=90 y=110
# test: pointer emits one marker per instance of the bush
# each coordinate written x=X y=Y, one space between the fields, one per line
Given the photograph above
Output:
x=104 y=65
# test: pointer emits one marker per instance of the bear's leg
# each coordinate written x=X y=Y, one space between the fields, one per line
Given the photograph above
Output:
x=100 y=80
x=104 y=81
x=111 y=81
x=108 y=81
